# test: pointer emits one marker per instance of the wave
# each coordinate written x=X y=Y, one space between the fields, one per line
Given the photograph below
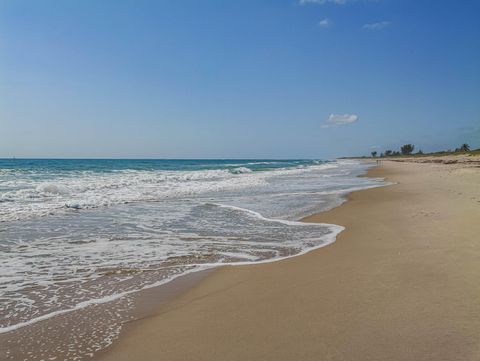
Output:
x=321 y=241
x=50 y=188
x=176 y=222
x=241 y=170
x=33 y=196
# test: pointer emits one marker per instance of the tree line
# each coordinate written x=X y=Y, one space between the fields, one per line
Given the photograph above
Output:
x=407 y=149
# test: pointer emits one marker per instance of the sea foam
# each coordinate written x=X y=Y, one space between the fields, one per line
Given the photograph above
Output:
x=82 y=237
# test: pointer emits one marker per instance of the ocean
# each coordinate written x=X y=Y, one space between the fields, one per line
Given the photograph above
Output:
x=78 y=234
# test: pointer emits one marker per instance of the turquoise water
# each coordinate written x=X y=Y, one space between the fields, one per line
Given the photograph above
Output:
x=40 y=187
x=107 y=165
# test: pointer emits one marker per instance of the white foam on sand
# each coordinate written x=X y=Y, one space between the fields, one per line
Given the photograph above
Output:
x=323 y=241
x=175 y=223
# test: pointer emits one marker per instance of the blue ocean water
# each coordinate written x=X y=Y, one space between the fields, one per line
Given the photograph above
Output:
x=108 y=165
x=38 y=187
x=75 y=234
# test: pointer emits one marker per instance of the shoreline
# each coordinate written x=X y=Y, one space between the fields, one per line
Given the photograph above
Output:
x=153 y=299
x=45 y=339
x=183 y=328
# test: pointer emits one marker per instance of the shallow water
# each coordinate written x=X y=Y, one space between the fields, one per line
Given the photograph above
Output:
x=75 y=234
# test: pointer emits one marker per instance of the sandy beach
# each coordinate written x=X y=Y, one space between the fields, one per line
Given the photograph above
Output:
x=400 y=283
x=239 y=180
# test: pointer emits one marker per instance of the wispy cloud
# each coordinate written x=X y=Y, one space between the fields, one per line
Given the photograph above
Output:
x=335 y=120
x=323 y=2
x=325 y=23
x=376 y=26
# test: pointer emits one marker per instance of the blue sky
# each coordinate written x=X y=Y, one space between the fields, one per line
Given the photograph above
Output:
x=237 y=79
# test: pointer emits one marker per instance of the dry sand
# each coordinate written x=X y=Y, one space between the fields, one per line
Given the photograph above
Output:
x=402 y=282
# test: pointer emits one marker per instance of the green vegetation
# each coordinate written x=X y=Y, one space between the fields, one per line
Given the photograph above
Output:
x=464 y=148
x=406 y=150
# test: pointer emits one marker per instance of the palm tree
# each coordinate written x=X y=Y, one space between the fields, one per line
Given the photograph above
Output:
x=407 y=149
x=465 y=148
x=374 y=154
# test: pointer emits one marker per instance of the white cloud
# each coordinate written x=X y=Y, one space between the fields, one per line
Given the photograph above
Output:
x=376 y=26
x=325 y=23
x=335 y=120
x=323 y=2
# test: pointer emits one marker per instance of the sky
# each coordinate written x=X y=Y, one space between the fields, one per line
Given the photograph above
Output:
x=237 y=79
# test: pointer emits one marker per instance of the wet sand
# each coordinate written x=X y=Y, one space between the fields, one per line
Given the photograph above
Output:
x=400 y=283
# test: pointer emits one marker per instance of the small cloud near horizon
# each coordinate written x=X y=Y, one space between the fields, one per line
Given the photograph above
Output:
x=325 y=23
x=335 y=120
x=376 y=26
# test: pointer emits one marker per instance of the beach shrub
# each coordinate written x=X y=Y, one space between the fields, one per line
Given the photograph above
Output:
x=407 y=149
